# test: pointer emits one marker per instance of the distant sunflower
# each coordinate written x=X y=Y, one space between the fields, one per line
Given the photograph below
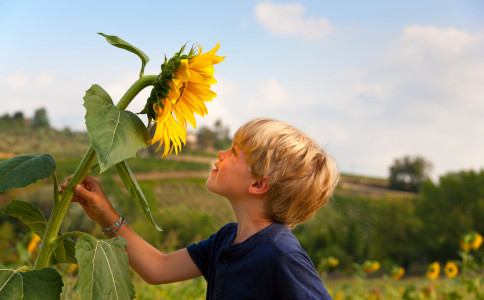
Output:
x=471 y=240
x=451 y=269
x=180 y=91
x=371 y=266
x=34 y=243
x=333 y=262
x=433 y=270
x=477 y=241
x=397 y=272
x=465 y=246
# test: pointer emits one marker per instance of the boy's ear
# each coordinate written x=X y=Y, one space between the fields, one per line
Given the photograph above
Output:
x=259 y=186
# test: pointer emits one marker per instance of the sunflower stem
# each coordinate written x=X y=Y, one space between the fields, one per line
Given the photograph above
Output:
x=61 y=205
x=134 y=90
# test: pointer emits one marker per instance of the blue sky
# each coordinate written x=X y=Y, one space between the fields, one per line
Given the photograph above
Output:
x=371 y=81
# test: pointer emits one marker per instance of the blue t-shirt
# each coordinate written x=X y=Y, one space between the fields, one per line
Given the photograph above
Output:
x=270 y=264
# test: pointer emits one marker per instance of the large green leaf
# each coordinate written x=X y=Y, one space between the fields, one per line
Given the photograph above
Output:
x=23 y=170
x=103 y=269
x=117 y=42
x=135 y=190
x=42 y=284
x=31 y=216
x=115 y=135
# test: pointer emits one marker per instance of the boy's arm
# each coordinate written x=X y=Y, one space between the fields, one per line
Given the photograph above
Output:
x=152 y=265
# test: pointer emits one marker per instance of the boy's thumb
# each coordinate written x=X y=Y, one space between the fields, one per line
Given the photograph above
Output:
x=81 y=191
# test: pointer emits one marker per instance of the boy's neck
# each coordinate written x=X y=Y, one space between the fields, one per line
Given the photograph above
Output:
x=250 y=215
x=248 y=225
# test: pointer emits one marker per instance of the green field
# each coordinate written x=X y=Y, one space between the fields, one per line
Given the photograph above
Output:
x=364 y=221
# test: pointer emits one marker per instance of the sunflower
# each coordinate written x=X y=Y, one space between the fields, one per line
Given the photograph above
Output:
x=180 y=91
x=471 y=240
x=397 y=272
x=465 y=246
x=332 y=261
x=477 y=241
x=371 y=266
x=451 y=269
x=34 y=243
x=433 y=270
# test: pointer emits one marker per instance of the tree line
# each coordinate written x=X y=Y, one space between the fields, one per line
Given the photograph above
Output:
x=18 y=121
x=207 y=138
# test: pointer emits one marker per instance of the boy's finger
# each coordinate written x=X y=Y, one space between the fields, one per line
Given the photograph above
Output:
x=82 y=192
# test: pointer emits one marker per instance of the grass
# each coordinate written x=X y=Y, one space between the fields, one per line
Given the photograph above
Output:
x=341 y=289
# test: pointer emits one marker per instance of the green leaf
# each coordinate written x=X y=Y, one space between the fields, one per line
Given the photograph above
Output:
x=31 y=216
x=23 y=170
x=117 y=42
x=115 y=135
x=135 y=190
x=103 y=269
x=38 y=284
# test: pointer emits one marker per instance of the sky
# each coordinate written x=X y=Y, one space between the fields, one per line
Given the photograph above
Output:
x=370 y=81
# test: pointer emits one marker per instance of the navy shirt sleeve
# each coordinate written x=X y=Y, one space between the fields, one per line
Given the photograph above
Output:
x=200 y=254
x=296 y=278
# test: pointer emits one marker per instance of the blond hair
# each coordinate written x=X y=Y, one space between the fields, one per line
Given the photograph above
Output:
x=301 y=175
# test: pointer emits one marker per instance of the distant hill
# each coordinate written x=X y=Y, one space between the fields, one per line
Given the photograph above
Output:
x=58 y=143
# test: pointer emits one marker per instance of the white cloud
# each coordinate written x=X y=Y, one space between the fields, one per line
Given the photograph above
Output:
x=17 y=80
x=424 y=97
x=428 y=42
x=290 y=19
x=44 y=79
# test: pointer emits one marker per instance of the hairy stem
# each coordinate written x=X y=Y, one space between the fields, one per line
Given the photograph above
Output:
x=60 y=206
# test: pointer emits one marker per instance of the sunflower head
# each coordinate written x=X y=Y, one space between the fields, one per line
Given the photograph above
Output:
x=471 y=240
x=451 y=269
x=179 y=92
x=397 y=272
x=161 y=86
x=433 y=270
x=476 y=244
x=33 y=243
x=371 y=266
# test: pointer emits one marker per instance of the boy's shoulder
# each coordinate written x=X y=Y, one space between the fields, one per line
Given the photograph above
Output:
x=282 y=239
x=274 y=241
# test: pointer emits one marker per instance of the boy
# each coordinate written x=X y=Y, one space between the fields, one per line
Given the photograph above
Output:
x=274 y=177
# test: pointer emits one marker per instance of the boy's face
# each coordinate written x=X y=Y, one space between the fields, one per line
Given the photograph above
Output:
x=231 y=176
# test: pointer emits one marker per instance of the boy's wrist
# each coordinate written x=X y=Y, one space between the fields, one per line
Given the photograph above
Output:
x=108 y=219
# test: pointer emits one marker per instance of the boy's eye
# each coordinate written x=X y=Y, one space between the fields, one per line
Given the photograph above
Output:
x=233 y=151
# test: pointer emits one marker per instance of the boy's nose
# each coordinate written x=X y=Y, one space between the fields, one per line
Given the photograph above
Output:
x=220 y=155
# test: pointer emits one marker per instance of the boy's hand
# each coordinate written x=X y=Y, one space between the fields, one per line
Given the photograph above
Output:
x=90 y=195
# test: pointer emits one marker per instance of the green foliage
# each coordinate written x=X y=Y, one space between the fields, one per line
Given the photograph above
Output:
x=115 y=135
x=40 y=119
x=39 y=284
x=117 y=42
x=449 y=209
x=103 y=269
x=135 y=191
x=31 y=216
x=58 y=143
x=214 y=138
x=23 y=170
x=408 y=173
